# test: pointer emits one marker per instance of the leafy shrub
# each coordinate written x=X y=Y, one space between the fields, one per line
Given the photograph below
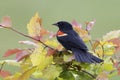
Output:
x=48 y=60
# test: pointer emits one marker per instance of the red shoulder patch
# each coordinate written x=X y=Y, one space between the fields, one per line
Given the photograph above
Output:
x=60 y=33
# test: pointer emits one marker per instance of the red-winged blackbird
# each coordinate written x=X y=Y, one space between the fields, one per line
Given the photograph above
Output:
x=72 y=41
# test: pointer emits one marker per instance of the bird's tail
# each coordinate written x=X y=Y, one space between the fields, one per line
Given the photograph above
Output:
x=82 y=56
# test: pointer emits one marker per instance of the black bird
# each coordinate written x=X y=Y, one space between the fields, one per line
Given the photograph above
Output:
x=72 y=41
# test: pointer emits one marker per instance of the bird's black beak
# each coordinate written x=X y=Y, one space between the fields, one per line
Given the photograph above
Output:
x=55 y=24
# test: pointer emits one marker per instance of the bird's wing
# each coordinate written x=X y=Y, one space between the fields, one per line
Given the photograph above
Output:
x=75 y=41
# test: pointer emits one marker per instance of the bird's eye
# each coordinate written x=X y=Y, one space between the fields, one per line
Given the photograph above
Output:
x=61 y=24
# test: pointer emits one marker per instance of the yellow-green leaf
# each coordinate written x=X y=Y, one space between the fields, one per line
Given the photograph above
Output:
x=13 y=77
x=26 y=75
x=51 y=72
x=105 y=48
x=34 y=26
x=39 y=58
x=107 y=66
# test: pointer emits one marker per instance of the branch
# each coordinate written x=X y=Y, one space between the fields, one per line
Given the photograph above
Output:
x=14 y=30
x=88 y=74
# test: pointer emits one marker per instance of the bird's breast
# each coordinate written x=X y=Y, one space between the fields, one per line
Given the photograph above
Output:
x=61 y=34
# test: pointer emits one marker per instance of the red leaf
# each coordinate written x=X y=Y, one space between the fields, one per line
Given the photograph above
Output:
x=116 y=41
x=116 y=64
x=52 y=35
x=21 y=55
x=28 y=43
x=11 y=52
x=51 y=52
x=89 y=25
x=6 y=21
x=76 y=24
x=4 y=73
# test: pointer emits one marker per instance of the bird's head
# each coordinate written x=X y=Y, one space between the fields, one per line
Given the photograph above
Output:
x=63 y=25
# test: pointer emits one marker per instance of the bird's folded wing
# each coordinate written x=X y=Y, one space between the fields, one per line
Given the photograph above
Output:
x=76 y=42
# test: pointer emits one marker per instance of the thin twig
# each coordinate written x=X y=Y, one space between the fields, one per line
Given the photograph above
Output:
x=2 y=66
x=14 y=30
x=30 y=37
x=84 y=71
x=88 y=74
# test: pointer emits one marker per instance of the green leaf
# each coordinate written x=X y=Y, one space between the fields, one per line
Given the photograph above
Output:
x=39 y=58
x=67 y=75
x=51 y=72
x=107 y=66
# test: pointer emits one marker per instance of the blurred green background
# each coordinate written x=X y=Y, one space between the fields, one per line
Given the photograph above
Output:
x=105 y=12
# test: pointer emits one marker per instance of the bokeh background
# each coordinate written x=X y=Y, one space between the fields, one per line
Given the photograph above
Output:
x=105 y=12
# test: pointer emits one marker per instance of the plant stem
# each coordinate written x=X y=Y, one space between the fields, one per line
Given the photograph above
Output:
x=14 y=30
x=88 y=74
x=84 y=71
x=2 y=66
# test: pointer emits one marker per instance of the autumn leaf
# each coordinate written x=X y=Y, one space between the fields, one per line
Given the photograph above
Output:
x=102 y=76
x=56 y=70
x=54 y=44
x=4 y=73
x=10 y=62
x=52 y=35
x=11 y=52
x=39 y=58
x=27 y=74
x=105 y=48
x=111 y=35
x=6 y=22
x=35 y=28
x=76 y=24
x=116 y=41
x=13 y=77
x=83 y=33
x=26 y=63
x=28 y=43
x=89 y=25
x=50 y=52
x=21 y=55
